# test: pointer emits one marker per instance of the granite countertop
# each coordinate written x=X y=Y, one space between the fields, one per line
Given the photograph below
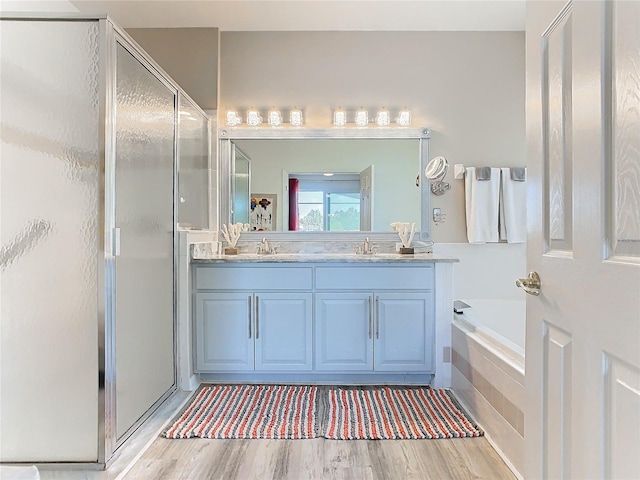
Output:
x=326 y=258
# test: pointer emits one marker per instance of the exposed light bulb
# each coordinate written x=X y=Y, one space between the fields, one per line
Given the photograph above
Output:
x=382 y=118
x=362 y=117
x=339 y=118
x=253 y=118
x=404 y=118
x=274 y=117
x=295 y=117
x=232 y=118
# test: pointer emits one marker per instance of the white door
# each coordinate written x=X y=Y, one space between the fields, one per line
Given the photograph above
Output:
x=583 y=330
x=366 y=199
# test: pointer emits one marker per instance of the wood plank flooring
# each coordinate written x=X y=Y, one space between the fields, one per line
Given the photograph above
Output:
x=204 y=459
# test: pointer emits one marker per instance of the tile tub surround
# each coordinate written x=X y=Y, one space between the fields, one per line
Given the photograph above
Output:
x=486 y=270
x=490 y=383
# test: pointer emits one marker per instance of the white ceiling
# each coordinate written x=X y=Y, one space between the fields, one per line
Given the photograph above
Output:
x=298 y=15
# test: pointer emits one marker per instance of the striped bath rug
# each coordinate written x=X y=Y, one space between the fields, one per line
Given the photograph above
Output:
x=395 y=413
x=249 y=411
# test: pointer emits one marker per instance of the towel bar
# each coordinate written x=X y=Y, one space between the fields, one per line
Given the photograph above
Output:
x=458 y=171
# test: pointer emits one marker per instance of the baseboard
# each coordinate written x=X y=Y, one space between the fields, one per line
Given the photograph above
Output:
x=163 y=418
x=191 y=383
x=500 y=453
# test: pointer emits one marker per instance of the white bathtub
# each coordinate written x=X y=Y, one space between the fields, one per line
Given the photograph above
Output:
x=488 y=371
x=502 y=320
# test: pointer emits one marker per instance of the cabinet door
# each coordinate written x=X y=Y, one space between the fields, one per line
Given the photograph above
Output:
x=344 y=331
x=224 y=332
x=284 y=336
x=404 y=334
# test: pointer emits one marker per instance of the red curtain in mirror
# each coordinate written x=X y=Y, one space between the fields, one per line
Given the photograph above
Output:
x=294 y=184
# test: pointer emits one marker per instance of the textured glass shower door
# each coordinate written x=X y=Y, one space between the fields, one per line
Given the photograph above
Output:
x=193 y=165
x=144 y=277
x=241 y=186
x=50 y=240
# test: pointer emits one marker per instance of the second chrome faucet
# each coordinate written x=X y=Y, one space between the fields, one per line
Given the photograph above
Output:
x=366 y=248
x=265 y=249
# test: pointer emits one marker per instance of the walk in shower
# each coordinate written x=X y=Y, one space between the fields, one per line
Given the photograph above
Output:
x=94 y=138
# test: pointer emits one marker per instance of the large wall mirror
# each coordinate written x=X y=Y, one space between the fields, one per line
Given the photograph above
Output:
x=333 y=181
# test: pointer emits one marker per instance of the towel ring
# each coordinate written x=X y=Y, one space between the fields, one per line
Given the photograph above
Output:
x=435 y=171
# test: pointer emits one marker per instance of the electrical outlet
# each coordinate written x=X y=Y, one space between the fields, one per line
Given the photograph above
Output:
x=438 y=216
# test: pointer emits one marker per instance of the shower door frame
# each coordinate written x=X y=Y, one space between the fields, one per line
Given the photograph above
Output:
x=112 y=35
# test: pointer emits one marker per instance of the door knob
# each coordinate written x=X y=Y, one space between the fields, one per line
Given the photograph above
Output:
x=531 y=284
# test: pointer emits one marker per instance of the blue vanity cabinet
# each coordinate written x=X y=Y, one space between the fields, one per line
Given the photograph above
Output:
x=344 y=331
x=253 y=318
x=404 y=332
x=223 y=331
x=284 y=331
x=390 y=327
x=256 y=321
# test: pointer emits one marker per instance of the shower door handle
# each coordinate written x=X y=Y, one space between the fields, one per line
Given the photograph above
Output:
x=116 y=242
x=531 y=284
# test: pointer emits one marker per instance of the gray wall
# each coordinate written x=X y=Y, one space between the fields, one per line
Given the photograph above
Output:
x=467 y=87
x=188 y=55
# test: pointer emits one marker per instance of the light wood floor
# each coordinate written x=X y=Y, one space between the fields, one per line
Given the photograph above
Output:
x=203 y=459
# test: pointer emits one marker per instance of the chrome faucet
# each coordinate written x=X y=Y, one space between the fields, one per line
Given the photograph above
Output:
x=265 y=249
x=366 y=248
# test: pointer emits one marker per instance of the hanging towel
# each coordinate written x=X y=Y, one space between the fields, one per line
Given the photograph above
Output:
x=513 y=207
x=518 y=174
x=483 y=173
x=481 y=202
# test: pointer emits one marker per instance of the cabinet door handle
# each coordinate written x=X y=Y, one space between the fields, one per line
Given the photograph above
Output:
x=377 y=317
x=257 y=317
x=370 y=316
x=249 y=313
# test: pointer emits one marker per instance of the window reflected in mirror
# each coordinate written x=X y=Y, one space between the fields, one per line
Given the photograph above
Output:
x=324 y=202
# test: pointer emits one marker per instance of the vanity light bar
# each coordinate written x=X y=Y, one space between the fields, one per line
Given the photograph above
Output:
x=274 y=118
x=382 y=118
x=361 y=118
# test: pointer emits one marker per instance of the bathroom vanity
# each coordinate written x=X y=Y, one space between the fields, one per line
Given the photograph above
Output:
x=318 y=318
x=317 y=314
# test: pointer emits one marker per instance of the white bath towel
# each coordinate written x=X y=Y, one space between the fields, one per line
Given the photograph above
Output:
x=513 y=208
x=481 y=201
